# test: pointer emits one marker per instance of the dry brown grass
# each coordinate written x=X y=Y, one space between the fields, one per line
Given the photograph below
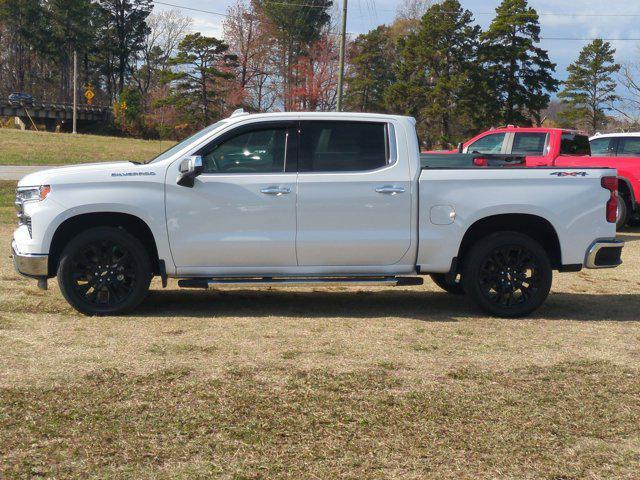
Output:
x=358 y=383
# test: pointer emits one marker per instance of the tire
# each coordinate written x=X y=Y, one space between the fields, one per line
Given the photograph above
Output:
x=507 y=274
x=622 y=215
x=104 y=271
x=455 y=287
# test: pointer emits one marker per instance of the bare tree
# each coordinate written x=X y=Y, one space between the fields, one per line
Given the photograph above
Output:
x=166 y=30
x=247 y=36
x=629 y=77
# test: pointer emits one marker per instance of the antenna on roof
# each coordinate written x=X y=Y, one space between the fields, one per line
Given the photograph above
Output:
x=239 y=112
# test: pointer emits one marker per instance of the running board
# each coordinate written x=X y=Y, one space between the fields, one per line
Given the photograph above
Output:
x=301 y=281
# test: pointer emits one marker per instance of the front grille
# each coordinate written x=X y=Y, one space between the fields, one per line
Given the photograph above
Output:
x=28 y=223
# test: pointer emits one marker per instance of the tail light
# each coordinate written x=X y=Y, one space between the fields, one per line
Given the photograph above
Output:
x=480 y=162
x=611 y=184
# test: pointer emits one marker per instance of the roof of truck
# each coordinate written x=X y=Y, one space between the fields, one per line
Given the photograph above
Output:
x=619 y=134
x=240 y=114
x=509 y=128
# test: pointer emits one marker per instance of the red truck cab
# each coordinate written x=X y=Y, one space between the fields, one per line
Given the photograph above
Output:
x=557 y=147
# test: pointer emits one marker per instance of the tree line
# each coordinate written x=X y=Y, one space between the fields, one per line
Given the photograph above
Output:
x=432 y=62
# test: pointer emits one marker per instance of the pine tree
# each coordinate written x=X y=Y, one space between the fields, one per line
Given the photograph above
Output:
x=121 y=35
x=370 y=71
x=434 y=71
x=203 y=65
x=520 y=72
x=296 y=26
x=590 y=88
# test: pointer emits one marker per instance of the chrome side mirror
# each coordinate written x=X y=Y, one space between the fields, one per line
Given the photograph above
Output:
x=189 y=169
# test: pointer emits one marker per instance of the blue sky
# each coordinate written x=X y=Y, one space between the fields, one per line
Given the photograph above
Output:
x=600 y=20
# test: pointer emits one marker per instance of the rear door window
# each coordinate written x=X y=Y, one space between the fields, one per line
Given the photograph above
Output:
x=603 y=147
x=343 y=146
x=629 y=147
x=491 y=143
x=529 y=143
x=574 y=144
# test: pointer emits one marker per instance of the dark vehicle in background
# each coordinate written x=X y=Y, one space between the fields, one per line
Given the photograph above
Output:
x=20 y=99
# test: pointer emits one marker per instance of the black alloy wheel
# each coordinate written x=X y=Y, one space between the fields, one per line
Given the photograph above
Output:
x=104 y=271
x=508 y=274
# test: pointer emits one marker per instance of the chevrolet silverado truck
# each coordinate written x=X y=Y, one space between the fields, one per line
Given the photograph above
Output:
x=557 y=147
x=311 y=198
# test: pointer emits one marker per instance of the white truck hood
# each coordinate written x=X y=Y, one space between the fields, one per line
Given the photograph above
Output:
x=87 y=172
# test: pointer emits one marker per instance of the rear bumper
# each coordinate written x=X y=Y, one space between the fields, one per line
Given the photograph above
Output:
x=29 y=264
x=604 y=254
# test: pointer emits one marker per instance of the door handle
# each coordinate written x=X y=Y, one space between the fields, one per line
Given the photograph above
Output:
x=275 y=190
x=390 y=190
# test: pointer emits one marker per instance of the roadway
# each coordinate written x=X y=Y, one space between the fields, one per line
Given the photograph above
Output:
x=16 y=172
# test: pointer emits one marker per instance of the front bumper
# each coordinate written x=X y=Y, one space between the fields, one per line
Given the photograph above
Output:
x=604 y=254
x=30 y=264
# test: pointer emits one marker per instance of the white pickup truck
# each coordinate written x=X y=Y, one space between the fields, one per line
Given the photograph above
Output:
x=320 y=198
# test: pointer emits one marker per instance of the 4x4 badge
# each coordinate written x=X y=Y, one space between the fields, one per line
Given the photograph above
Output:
x=569 y=174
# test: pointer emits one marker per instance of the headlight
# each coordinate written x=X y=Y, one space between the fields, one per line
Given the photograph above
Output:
x=29 y=194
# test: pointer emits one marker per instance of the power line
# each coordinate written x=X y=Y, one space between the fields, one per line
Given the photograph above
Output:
x=192 y=9
x=591 y=39
x=577 y=39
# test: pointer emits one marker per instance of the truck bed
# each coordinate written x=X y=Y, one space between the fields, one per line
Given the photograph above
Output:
x=469 y=160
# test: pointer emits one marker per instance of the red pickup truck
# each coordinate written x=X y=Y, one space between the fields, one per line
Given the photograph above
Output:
x=557 y=147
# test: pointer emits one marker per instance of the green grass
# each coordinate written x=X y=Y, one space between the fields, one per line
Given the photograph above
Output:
x=7 y=197
x=43 y=148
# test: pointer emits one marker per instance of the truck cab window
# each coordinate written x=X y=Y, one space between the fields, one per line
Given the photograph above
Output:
x=629 y=147
x=529 y=143
x=491 y=143
x=574 y=144
x=256 y=151
x=343 y=146
x=602 y=147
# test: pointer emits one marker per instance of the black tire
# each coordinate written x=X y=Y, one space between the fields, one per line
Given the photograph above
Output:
x=622 y=214
x=104 y=271
x=454 y=287
x=507 y=274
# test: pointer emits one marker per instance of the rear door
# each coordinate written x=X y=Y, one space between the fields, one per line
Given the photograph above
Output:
x=354 y=195
x=533 y=145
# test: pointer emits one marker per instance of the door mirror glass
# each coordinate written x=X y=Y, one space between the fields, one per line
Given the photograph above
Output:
x=189 y=169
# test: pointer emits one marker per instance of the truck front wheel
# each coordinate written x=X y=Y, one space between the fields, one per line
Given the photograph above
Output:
x=507 y=274
x=104 y=271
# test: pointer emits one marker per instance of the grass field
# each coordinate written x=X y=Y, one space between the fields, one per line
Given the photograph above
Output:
x=406 y=383
x=43 y=148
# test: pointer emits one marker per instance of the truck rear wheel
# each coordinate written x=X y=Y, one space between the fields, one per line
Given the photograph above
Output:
x=442 y=280
x=507 y=274
x=622 y=213
x=104 y=271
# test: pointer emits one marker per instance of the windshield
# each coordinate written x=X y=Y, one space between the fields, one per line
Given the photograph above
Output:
x=179 y=146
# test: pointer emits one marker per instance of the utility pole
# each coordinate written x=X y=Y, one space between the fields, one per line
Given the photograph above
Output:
x=343 y=38
x=75 y=89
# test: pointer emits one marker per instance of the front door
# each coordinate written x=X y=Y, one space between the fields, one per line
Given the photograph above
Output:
x=241 y=212
x=354 y=196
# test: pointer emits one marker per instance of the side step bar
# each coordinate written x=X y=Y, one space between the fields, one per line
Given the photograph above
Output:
x=301 y=281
